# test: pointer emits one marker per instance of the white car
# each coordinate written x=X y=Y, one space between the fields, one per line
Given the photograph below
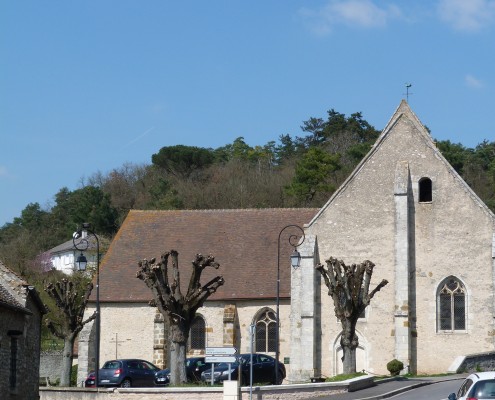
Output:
x=477 y=386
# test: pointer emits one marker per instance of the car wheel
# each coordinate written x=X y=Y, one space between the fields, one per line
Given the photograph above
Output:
x=280 y=378
x=126 y=383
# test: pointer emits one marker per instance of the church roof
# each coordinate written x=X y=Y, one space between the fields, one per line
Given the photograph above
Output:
x=243 y=241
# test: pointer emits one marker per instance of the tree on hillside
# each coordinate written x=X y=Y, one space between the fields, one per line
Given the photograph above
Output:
x=70 y=297
x=349 y=288
x=177 y=309
x=312 y=180
x=183 y=160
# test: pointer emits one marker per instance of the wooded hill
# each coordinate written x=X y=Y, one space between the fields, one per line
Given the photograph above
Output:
x=291 y=172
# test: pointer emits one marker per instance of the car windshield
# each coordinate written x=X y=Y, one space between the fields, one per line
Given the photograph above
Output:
x=111 y=365
x=484 y=389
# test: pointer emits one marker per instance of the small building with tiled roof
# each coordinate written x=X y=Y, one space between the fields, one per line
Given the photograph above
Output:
x=63 y=256
x=21 y=312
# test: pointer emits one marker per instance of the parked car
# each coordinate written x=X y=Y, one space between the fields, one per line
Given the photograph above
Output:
x=90 y=380
x=263 y=370
x=127 y=373
x=194 y=367
x=478 y=386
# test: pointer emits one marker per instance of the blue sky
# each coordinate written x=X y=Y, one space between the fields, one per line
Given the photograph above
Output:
x=87 y=86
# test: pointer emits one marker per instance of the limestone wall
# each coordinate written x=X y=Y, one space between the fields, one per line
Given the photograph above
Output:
x=450 y=235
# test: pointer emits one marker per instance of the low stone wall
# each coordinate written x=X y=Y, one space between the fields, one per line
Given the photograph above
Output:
x=289 y=392
x=51 y=364
x=474 y=363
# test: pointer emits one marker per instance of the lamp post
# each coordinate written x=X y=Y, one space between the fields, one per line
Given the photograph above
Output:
x=295 y=259
x=81 y=243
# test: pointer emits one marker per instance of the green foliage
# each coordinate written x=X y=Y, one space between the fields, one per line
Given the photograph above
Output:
x=395 y=366
x=183 y=159
x=312 y=174
x=344 y=377
x=73 y=375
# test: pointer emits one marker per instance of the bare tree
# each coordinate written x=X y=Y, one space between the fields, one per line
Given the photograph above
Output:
x=71 y=299
x=349 y=288
x=177 y=309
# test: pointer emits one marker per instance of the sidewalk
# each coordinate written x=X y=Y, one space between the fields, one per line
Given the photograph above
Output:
x=390 y=387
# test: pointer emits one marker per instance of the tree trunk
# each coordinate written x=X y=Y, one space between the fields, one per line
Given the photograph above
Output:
x=177 y=363
x=349 y=360
x=349 y=342
x=67 y=357
x=179 y=336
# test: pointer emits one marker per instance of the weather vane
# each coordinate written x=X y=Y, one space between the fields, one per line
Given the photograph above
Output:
x=408 y=85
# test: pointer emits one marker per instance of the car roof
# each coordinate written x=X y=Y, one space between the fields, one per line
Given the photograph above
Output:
x=480 y=376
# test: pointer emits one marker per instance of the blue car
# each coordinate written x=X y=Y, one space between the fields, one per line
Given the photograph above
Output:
x=127 y=373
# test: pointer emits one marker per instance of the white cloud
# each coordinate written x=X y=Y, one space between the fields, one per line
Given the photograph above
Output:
x=473 y=82
x=467 y=15
x=354 y=13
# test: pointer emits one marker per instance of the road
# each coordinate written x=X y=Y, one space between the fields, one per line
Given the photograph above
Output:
x=436 y=391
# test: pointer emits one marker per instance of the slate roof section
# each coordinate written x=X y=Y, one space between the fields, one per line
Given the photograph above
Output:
x=244 y=242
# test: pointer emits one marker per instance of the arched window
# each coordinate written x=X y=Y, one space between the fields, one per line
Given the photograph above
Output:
x=266 y=332
x=425 y=190
x=451 y=305
x=197 y=335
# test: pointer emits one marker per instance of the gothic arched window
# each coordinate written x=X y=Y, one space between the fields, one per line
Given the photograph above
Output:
x=266 y=332
x=197 y=335
x=425 y=190
x=451 y=305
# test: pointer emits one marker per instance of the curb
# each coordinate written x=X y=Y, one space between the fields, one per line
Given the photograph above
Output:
x=406 y=388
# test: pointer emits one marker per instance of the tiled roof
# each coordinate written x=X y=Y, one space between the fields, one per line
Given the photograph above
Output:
x=244 y=242
x=7 y=299
x=69 y=245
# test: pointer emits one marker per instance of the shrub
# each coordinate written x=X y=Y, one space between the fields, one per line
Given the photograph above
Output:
x=395 y=366
x=73 y=375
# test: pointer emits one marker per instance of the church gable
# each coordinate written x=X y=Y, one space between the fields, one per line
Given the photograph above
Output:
x=404 y=140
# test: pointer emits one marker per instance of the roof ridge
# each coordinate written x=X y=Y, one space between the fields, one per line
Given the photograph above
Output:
x=206 y=210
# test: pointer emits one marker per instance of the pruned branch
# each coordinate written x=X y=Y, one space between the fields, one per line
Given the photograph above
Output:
x=166 y=291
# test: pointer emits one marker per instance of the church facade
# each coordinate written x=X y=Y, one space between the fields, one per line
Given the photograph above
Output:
x=404 y=208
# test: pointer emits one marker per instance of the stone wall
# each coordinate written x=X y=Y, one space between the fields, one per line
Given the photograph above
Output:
x=51 y=365
x=451 y=235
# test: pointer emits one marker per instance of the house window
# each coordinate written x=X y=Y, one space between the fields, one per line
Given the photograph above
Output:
x=425 y=190
x=451 y=305
x=197 y=336
x=13 y=362
x=266 y=332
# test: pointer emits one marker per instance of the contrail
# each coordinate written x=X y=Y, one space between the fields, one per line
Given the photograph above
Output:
x=139 y=137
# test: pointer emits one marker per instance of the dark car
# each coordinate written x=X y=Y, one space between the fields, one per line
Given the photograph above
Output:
x=194 y=367
x=90 y=380
x=263 y=370
x=127 y=373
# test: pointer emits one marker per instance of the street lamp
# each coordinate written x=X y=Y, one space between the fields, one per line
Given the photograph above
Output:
x=295 y=259
x=81 y=243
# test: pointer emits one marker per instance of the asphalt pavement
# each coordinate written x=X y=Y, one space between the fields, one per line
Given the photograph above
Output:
x=390 y=387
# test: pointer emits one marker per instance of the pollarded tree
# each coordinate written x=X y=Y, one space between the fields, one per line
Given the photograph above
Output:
x=71 y=297
x=177 y=309
x=349 y=288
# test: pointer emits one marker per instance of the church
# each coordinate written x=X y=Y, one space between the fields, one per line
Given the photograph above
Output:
x=403 y=207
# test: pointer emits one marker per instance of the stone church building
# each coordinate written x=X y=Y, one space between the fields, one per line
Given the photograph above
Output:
x=403 y=207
